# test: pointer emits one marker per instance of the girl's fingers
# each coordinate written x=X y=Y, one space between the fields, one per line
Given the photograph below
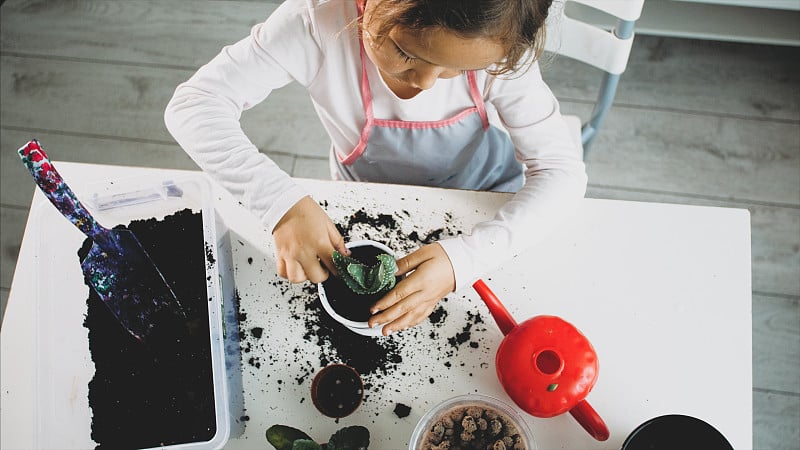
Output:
x=410 y=262
x=398 y=306
x=337 y=243
x=337 y=240
x=408 y=320
x=316 y=272
x=401 y=291
x=280 y=267
x=305 y=239
x=295 y=272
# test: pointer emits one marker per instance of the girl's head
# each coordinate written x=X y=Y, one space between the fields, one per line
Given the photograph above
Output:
x=456 y=35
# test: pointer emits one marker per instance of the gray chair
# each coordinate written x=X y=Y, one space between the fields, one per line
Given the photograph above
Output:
x=607 y=50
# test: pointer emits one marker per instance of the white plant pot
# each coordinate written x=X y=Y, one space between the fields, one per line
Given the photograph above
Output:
x=361 y=328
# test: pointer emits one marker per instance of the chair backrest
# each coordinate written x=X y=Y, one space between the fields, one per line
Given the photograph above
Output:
x=607 y=50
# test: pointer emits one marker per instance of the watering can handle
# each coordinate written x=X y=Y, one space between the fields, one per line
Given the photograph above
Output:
x=499 y=312
x=590 y=420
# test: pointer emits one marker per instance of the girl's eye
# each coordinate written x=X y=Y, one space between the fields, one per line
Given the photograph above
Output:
x=405 y=56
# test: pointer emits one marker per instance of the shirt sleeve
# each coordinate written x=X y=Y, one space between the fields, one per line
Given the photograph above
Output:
x=203 y=114
x=555 y=179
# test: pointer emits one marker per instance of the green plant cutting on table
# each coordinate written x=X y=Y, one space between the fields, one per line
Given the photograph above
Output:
x=284 y=437
x=364 y=279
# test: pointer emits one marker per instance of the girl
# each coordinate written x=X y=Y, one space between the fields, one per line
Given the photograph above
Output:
x=431 y=92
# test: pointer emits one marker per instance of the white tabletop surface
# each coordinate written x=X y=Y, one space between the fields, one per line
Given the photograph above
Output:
x=662 y=291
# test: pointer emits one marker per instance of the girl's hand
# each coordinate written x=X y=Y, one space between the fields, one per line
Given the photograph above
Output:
x=305 y=238
x=414 y=298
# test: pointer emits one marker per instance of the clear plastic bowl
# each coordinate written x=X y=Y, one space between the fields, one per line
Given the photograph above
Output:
x=427 y=421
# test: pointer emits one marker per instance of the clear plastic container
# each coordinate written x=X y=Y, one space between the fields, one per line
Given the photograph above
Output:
x=426 y=423
x=63 y=363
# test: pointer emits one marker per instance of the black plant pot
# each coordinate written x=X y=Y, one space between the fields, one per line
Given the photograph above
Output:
x=674 y=431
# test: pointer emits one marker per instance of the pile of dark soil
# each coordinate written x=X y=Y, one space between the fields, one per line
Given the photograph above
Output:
x=159 y=392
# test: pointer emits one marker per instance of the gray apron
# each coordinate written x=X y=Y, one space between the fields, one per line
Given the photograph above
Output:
x=462 y=152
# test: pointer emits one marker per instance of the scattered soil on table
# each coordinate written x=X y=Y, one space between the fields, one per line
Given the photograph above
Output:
x=159 y=392
x=379 y=360
x=401 y=410
x=473 y=428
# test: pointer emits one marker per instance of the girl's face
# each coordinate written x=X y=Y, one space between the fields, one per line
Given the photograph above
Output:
x=411 y=61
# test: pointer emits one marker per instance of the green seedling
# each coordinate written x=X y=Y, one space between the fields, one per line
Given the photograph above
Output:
x=363 y=279
x=284 y=437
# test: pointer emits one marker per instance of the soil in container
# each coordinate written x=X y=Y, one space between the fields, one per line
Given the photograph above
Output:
x=337 y=390
x=344 y=301
x=472 y=428
x=161 y=392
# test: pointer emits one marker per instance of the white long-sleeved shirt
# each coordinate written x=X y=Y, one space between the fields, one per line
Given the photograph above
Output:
x=312 y=42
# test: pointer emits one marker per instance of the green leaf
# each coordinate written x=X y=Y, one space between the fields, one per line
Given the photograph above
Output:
x=281 y=436
x=388 y=267
x=350 y=438
x=359 y=273
x=305 y=444
x=342 y=261
x=363 y=279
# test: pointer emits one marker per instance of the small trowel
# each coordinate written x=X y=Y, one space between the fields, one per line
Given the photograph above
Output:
x=117 y=267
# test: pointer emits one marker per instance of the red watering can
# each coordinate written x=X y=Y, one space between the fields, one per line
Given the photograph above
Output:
x=545 y=365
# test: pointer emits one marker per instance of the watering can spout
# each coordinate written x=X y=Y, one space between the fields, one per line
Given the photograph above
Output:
x=496 y=308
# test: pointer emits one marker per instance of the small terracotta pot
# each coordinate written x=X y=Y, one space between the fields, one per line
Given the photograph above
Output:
x=337 y=390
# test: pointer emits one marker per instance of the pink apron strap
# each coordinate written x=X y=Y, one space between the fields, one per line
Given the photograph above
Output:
x=477 y=98
x=366 y=100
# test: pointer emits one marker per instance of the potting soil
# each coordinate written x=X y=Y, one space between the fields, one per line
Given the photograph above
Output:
x=159 y=392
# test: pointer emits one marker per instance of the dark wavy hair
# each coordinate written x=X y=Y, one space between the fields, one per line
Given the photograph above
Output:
x=517 y=24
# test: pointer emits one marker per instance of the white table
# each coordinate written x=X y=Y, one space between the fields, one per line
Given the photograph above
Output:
x=662 y=291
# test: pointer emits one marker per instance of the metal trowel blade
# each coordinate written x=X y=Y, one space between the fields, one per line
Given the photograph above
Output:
x=120 y=270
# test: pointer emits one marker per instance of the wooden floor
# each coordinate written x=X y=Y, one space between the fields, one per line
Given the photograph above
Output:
x=695 y=122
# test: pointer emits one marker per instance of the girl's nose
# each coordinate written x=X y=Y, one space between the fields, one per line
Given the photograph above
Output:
x=425 y=77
